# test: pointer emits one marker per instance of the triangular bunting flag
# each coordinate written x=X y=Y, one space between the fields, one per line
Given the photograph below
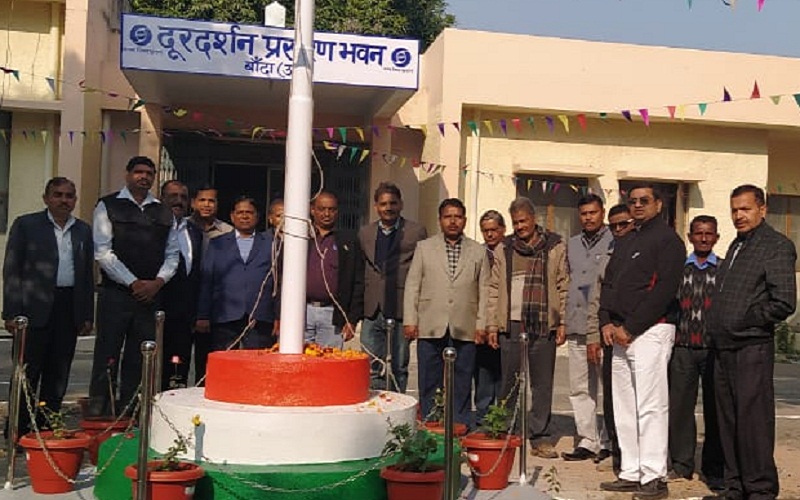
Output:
x=71 y=135
x=503 y=126
x=364 y=155
x=671 y=110
x=457 y=126
x=797 y=99
x=473 y=126
x=516 y=123
x=581 y=120
x=488 y=124
x=51 y=82
x=102 y=135
x=627 y=115
x=702 y=107
x=340 y=151
x=197 y=116
x=402 y=162
x=756 y=94
x=360 y=132
x=343 y=133
x=330 y=132
x=353 y=153
x=529 y=184
x=564 y=119
x=3 y=135
x=681 y=112
x=690 y=4
x=45 y=133
x=441 y=128
x=16 y=74
x=776 y=99
x=760 y=5
x=531 y=123
x=726 y=96
x=124 y=136
x=25 y=134
x=544 y=186
x=645 y=114
x=603 y=116
x=180 y=112
x=550 y=125
x=137 y=104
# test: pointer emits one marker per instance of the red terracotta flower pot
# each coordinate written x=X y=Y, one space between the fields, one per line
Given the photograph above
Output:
x=403 y=485
x=167 y=484
x=67 y=454
x=487 y=455
x=437 y=428
x=100 y=429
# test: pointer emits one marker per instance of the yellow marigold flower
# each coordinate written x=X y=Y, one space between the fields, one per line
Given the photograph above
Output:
x=42 y=403
x=196 y=421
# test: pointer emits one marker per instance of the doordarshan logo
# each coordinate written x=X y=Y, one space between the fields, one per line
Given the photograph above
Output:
x=401 y=57
x=140 y=35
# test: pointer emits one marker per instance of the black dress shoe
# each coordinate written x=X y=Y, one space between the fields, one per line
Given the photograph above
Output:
x=602 y=456
x=652 y=490
x=578 y=454
x=622 y=485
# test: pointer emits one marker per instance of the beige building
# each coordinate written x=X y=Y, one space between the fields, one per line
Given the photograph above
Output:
x=501 y=100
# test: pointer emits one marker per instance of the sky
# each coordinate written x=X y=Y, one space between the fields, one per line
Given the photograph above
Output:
x=709 y=24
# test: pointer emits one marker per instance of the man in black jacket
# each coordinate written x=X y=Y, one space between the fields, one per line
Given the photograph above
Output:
x=757 y=290
x=335 y=280
x=48 y=277
x=637 y=314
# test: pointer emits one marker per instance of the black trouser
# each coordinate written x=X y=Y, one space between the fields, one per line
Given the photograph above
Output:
x=746 y=410
x=608 y=407
x=177 y=351
x=48 y=357
x=224 y=334
x=686 y=367
x=487 y=379
x=430 y=367
x=542 y=363
x=202 y=346
x=121 y=320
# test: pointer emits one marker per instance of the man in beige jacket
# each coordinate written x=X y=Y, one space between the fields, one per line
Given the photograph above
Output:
x=444 y=306
x=527 y=291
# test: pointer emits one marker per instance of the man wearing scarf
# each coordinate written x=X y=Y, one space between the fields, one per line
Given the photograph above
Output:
x=528 y=293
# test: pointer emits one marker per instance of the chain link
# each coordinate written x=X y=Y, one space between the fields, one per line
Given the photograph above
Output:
x=26 y=389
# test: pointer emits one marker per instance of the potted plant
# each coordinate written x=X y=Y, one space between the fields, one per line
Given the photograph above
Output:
x=64 y=448
x=101 y=428
x=434 y=421
x=168 y=477
x=412 y=476
x=491 y=451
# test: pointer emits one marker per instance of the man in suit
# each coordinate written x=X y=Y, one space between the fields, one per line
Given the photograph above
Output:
x=443 y=307
x=388 y=247
x=48 y=277
x=236 y=290
x=136 y=246
x=335 y=280
x=180 y=294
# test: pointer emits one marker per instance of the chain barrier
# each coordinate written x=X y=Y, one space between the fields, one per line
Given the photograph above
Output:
x=521 y=393
x=272 y=489
x=26 y=389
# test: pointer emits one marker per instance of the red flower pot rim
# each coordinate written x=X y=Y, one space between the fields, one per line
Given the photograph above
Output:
x=103 y=423
x=78 y=440
x=479 y=440
x=434 y=474
x=191 y=472
x=437 y=428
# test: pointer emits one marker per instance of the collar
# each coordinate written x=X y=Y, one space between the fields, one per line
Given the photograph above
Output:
x=239 y=235
x=458 y=241
x=596 y=236
x=748 y=235
x=124 y=193
x=391 y=228
x=710 y=261
x=69 y=224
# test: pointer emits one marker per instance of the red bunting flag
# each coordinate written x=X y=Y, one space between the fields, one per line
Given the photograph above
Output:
x=756 y=93
x=671 y=110
x=517 y=125
x=582 y=121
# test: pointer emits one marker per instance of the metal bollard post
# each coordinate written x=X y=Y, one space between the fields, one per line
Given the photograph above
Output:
x=523 y=407
x=17 y=379
x=148 y=349
x=159 y=362
x=389 y=326
x=449 y=356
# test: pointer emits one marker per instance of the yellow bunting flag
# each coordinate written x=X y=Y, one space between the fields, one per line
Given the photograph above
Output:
x=360 y=132
x=564 y=119
x=488 y=124
x=364 y=155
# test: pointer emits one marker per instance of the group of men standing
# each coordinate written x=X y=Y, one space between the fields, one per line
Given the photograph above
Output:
x=641 y=320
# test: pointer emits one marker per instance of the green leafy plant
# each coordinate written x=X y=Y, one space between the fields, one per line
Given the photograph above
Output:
x=437 y=411
x=495 y=422
x=169 y=461
x=412 y=446
x=56 y=422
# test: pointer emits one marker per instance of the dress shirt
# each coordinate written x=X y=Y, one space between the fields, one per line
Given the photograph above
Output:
x=103 y=232
x=217 y=228
x=389 y=230
x=65 y=276
x=711 y=260
x=245 y=244
x=453 y=254
x=184 y=243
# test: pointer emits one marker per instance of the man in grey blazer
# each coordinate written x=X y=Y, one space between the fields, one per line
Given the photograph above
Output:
x=444 y=307
x=388 y=246
x=48 y=277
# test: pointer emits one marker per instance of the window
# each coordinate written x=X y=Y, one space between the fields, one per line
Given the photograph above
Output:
x=5 y=164
x=669 y=197
x=555 y=199
x=783 y=213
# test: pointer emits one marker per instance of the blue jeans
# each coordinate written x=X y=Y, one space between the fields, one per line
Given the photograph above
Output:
x=373 y=338
x=320 y=328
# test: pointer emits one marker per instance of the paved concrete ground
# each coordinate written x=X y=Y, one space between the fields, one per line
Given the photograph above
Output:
x=575 y=480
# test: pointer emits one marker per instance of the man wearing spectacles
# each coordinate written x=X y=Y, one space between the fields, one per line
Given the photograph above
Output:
x=585 y=253
x=638 y=311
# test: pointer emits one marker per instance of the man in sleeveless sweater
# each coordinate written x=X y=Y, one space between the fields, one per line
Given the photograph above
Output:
x=136 y=247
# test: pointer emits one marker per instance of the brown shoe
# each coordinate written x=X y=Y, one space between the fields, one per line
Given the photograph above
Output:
x=544 y=450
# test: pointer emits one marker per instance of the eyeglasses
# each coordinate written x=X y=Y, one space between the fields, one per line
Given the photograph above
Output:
x=620 y=225
x=643 y=201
